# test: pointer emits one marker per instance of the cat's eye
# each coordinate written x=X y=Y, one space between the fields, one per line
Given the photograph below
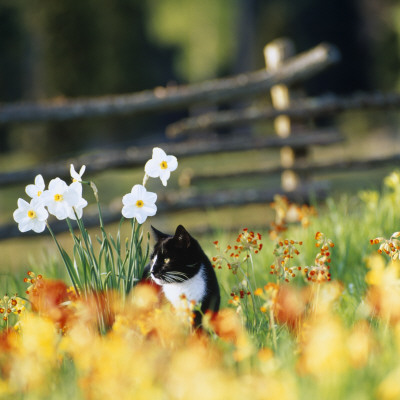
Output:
x=166 y=260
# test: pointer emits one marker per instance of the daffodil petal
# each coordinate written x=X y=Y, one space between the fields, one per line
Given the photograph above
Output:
x=139 y=191
x=150 y=197
x=141 y=217
x=152 y=168
x=159 y=154
x=31 y=190
x=39 y=182
x=128 y=199
x=22 y=203
x=150 y=209
x=39 y=226
x=128 y=211
x=172 y=163
x=164 y=176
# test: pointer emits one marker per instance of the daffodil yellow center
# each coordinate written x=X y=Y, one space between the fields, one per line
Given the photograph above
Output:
x=58 y=197
x=31 y=214
x=139 y=203
x=39 y=193
x=164 y=165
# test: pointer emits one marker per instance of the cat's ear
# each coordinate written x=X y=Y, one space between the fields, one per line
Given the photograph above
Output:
x=182 y=237
x=159 y=235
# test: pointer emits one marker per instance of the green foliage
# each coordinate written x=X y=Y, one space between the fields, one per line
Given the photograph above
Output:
x=203 y=31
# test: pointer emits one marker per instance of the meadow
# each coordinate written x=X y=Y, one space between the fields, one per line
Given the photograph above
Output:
x=310 y=309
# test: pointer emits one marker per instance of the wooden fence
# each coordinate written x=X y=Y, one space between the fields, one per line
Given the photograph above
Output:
x=288 y=72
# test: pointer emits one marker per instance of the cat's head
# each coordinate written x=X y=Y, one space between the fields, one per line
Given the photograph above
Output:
x=175 y=258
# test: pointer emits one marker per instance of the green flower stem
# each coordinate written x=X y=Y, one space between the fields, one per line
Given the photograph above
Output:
x=273 y=328
x=132 y=258
x=110 y=265
x=251 y=293
x=67 y=262
x=96 y=273
x=252 y=269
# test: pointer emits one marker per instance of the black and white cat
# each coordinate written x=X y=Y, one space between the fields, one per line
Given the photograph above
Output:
x=181 y=268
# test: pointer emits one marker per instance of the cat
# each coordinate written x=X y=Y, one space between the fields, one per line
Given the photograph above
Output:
x=179 y=265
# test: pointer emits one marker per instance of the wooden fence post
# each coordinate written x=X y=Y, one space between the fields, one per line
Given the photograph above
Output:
x=275 y=53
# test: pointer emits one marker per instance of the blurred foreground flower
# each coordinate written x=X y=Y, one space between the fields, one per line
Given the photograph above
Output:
x=383 y=295
x=290 y=306
x=49 y=299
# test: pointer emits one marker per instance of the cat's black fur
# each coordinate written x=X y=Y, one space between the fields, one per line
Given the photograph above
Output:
x=179 y=265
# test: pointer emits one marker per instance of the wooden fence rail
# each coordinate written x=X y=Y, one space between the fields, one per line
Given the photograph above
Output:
x=301 y=109
x=137 y=156
x=297 y=69
x=306 y=167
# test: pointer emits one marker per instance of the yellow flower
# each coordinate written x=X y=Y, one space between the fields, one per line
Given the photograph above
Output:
x=376 y=266
x=324 y=351
x=389 y=388
x=360 y=344
x=393 y=180
x=370 y=198
x=35 y=356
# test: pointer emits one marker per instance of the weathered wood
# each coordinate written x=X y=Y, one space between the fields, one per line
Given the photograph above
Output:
x=275 y=54
x=304 y=109
x=297 y=69
x=137 y=156
x=305 y=167
x=181 y=201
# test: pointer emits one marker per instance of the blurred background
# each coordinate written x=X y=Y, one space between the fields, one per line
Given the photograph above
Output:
x=88 y=48
x=68 y=48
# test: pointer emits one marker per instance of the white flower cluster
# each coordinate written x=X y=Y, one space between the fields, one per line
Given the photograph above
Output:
x=60 y=199
x=66 y=201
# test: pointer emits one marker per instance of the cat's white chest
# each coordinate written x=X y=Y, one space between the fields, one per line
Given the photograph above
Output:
x=193 y=289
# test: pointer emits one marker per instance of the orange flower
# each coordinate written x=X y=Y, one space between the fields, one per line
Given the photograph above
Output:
x=290 y=306
x=227 y=325
x=48 y=298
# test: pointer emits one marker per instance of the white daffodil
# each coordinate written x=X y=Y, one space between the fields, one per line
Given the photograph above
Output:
x=61 y=199
x=161 y=165
x=82 y=203
x=36 y=190
x=139 y=204
x=31 y=216
x=77 y=176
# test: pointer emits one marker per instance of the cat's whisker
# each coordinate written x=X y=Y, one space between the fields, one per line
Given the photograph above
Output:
x=176 y=277
x=179 y=274
x=167 y=279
